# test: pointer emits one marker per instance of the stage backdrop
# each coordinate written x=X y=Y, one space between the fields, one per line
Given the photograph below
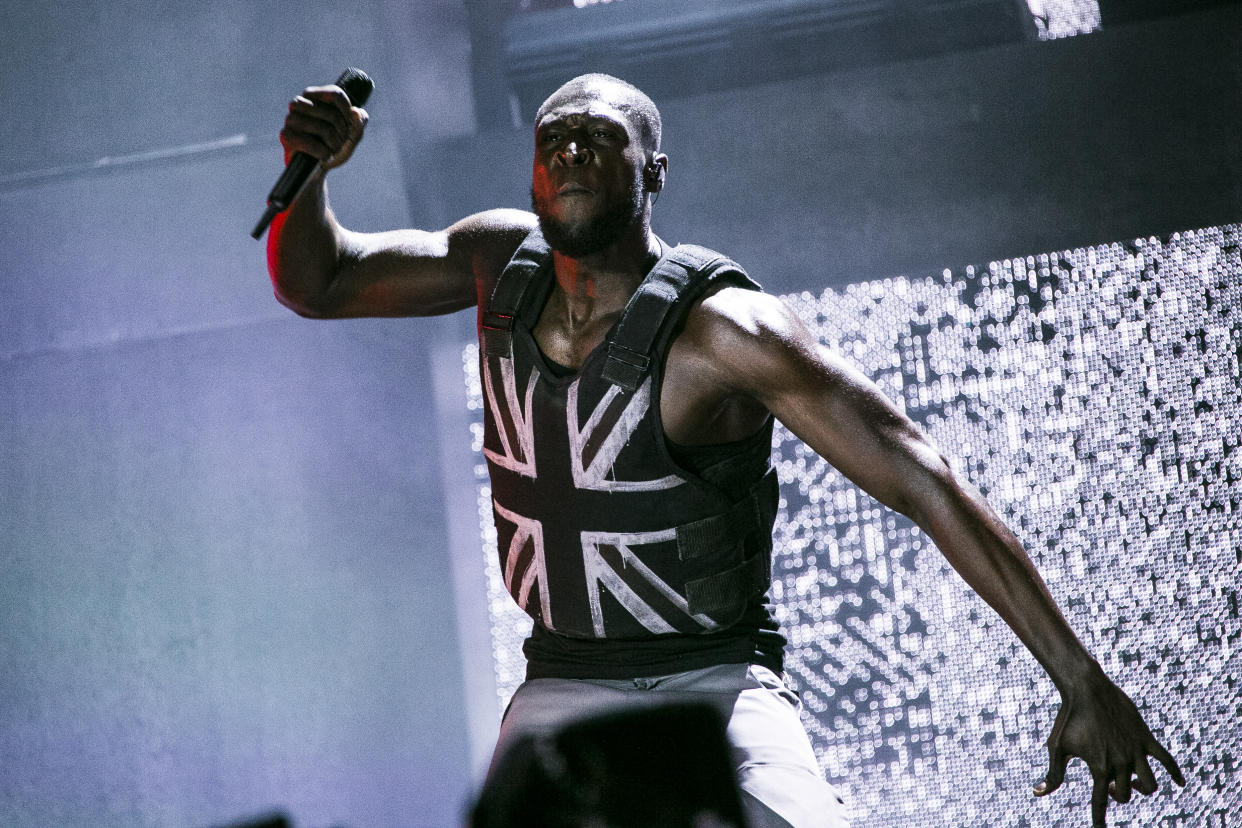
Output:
x=1092 y=395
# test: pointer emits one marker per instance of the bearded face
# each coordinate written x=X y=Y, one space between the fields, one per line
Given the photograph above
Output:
x=587 y=174
x=589 y=232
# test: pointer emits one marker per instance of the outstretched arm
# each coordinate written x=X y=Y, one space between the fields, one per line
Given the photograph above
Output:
x=320 y=269
x=763 y=351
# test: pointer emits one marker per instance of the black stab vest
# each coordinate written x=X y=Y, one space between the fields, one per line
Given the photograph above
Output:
x=600 y=533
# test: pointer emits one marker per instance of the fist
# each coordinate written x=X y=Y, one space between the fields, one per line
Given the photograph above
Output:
x=322 y=124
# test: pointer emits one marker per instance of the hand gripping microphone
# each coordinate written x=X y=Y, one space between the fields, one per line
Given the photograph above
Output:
x=357 y=87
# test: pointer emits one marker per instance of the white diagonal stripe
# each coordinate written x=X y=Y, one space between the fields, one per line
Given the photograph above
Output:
x=599 y=571
x=527 y=529
x=595 y=476
x=519 y=416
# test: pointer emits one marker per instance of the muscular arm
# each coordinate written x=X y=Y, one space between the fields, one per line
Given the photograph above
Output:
x=320 y=269
x=765 y=352
x=761 y=350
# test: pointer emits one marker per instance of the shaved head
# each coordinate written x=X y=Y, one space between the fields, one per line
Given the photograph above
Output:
x=626 y=97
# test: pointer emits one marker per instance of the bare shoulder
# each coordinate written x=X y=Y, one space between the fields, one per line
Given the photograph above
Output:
x=494 y=227
x=737 y=311
x=487 y=235
x=746 y=338
x=415 y=272
x=485 y=241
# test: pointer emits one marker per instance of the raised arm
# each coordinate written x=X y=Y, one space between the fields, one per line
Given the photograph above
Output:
x=320 y=269
x=763 y=351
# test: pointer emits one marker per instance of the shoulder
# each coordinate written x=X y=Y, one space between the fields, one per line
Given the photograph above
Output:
x=484 y=242
x=492 y=233
x=492 y=225
x=744 y=337
x=733 y=315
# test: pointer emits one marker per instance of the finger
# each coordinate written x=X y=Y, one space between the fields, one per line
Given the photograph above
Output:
x=1162 y=756
x=305 y=108
x=358 y=119
x=294 y=141
x=1057 y=760
x=331 y=94
x=326 y=132
x=1119 y=788
x=1146 y=783
x=1099 y=802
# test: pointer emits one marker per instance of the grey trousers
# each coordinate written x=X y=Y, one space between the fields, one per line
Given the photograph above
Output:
x=781 y=782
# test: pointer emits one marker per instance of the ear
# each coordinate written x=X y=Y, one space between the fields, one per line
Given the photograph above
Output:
x=653 y=173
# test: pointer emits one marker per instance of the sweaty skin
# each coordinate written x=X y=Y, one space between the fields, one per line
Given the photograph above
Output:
x=741 y=355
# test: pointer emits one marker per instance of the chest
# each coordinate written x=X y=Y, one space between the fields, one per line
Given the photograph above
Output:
x=693 y=409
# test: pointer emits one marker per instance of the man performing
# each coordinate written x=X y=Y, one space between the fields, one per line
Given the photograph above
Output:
x=631 y=389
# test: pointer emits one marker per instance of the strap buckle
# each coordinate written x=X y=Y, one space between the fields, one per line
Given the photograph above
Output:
x=625 y=367
x=497 y=334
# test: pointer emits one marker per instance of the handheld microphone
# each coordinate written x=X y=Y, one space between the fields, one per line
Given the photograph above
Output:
x=357 y=86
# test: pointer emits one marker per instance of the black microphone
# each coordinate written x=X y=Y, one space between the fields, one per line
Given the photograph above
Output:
x=357 y=86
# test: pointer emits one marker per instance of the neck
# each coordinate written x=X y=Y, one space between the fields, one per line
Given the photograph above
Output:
x=602 y=283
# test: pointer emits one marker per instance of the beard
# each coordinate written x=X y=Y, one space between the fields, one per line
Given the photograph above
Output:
x=584 y=238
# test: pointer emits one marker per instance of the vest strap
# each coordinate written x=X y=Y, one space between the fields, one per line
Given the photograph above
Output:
x=497 y=334
x=729 y=536
x=730 y=588
x=625 y=367
x=712 y=534
x=511 y=293
x=678 y=278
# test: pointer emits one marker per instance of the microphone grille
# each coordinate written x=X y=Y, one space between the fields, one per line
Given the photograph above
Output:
x=357 y=85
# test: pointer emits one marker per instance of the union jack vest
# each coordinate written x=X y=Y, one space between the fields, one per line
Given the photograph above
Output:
x=600 y=533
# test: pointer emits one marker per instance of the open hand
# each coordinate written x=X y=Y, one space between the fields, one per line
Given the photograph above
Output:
x=1099 y=724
